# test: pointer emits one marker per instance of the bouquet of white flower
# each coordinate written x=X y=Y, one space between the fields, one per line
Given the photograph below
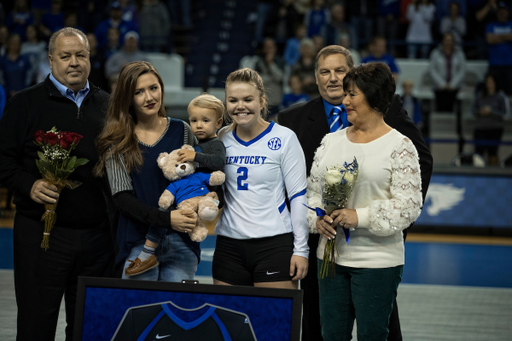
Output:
x=336 y=186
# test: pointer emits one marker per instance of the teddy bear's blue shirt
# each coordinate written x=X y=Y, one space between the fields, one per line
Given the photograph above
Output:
x=190 y=186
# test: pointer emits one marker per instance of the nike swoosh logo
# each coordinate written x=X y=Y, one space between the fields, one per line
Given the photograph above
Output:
x=228 y=147
x=272 y=273
x=158 y=337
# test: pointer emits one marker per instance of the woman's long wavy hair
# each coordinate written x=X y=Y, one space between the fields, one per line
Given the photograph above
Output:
x=118 y=137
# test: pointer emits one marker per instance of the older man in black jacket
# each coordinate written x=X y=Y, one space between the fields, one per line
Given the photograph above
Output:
x=80 y=243
x=311 y=121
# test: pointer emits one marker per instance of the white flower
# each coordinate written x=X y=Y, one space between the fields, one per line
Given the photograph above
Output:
x=333 y=177
x=349 y=177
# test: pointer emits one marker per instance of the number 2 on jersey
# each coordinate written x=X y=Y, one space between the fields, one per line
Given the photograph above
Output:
x=241 y=185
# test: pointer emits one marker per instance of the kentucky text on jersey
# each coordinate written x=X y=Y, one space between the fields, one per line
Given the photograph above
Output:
x=246 y=160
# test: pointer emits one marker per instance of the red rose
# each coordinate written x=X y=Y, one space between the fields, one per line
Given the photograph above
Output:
x=65 y=140
x=51 y=138
x=39 y=137
x=75 y=137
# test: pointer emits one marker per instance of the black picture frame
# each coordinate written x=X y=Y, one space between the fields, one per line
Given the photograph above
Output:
x=97 y=297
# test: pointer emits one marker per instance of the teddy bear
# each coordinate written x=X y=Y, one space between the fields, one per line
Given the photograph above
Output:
x=189 y=190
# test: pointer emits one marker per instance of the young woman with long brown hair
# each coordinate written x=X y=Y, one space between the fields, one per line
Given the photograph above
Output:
x=136 y=131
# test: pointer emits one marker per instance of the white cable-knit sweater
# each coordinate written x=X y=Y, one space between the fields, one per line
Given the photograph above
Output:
x=387 y=196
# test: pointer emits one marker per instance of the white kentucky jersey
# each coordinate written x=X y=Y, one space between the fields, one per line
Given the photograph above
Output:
x=257 y=174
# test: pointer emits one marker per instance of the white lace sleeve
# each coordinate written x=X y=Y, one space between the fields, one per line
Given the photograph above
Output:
x=396 y=214
x=313 y=192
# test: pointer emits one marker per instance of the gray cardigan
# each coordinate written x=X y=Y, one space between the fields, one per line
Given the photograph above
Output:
x=438 y=69
x=500 y=110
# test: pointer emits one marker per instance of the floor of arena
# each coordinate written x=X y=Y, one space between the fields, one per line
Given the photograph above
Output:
x=453 y=287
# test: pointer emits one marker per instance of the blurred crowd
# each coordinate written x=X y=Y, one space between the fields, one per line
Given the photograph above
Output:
x=119 y=32
x=447 y=32
x=286 y=33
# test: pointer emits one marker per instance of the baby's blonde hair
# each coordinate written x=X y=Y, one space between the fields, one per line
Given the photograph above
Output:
x=207 y=101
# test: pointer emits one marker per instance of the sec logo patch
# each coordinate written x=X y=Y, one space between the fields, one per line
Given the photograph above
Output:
x=274 y=143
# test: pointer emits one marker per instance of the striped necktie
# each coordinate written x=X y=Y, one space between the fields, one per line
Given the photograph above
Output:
x=338 y=121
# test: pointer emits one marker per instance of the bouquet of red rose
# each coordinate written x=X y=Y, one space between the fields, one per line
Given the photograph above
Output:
x=55 y=165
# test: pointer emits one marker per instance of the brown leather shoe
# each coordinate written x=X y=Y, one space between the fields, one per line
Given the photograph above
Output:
x=137 y=266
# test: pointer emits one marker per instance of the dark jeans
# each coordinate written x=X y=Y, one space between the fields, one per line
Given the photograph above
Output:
x=42 y=278
x=311 y=330
x=156 y=234
x=356 y=293
x=445 y=99
x=310 y=308
x=489 y=135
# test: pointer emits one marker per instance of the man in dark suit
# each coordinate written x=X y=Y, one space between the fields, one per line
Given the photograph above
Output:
x=311 y=121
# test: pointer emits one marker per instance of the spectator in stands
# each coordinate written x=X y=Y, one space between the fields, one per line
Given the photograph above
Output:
x=484 y=15
x=270 y=67
x=362 y=14
x=113 y=44
x=19 y=18
x=302 y=6
x=40 y=8
x=420 y=14
x=90 y=13
x=97 y=74
x=292 y=48
x=263 y=9
x=129 y=53
x=319 y=42
x=180 y=12
x=411 y=104
x=387 y=21
x=491 y=108
x=4 y=35
x=34 y=48
x=344 y=40
x=447 y=69
x=130 y=11
x=116 y=21
x=378 y=53
x=71 y=20
x=443 y=8
x=53 y=20
x=316 y=18
x=282 y=22
x=454 y=23
x=15 y=67
x=404 y=4
x=155 y=26
x=297 y=94
x=305 y=67
x=499 y=38
x=339 y=26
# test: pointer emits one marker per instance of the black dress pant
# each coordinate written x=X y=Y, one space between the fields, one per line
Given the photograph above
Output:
x=488 y=135
x=311 y=330
x=42 y=278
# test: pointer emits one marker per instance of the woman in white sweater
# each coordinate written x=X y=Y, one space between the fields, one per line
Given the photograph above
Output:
x=386 y=199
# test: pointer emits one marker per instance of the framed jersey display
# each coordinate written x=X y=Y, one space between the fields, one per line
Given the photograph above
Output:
x=115 y=309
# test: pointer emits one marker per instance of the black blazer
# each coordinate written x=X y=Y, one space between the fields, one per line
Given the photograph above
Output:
x=309 y=123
